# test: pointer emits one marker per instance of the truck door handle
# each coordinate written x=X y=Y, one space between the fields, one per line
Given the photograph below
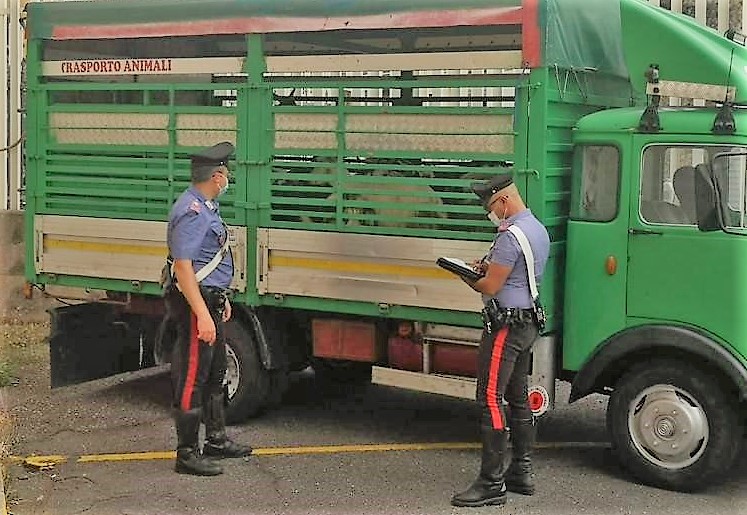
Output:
x=644 y=232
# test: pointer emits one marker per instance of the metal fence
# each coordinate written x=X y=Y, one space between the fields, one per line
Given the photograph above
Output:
x=11 y=135
x=718 y=14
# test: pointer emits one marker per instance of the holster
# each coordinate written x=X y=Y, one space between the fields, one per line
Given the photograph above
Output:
x=167 y=276
x=215 y=298
x=540 y=317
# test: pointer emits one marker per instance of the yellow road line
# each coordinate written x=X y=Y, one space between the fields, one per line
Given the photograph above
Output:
x=290 y=451
x=338 y=449
x=107 y=248
x=360 y=267
x=131 y=456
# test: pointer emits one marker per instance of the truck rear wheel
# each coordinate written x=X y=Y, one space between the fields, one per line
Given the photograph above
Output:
x=672 y=426
x=247 y=381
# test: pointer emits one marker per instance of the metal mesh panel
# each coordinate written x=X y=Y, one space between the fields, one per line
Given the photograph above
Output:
x=109 y=128
x=431 y=143
x=204 y=130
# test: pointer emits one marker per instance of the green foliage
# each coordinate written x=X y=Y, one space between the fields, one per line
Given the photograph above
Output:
x=6 y=373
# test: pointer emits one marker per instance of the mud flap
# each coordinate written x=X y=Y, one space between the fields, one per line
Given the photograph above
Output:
x=270 y=337
x=89 y=341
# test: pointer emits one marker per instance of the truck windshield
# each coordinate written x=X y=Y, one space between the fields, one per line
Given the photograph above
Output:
x=730 y=176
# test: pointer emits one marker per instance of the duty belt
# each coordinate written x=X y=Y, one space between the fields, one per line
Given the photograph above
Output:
x=495 y=316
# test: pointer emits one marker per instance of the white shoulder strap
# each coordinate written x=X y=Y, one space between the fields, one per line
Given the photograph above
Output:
x=528 y=258
x=206 y=270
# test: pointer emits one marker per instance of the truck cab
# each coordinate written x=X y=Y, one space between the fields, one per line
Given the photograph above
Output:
x=655 y=291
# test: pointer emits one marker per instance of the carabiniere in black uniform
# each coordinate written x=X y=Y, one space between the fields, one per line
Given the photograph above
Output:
x=197 y=240
x=513 y=318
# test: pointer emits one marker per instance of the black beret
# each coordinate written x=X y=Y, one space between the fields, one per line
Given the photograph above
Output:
x=487 y=189
x=207 y=160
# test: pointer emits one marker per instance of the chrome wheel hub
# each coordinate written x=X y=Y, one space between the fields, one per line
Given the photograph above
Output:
x=668 y=426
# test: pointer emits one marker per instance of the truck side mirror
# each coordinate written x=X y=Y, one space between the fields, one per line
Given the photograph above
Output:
x=705 y=199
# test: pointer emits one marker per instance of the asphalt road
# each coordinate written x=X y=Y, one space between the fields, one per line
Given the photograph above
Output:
x=574 y=468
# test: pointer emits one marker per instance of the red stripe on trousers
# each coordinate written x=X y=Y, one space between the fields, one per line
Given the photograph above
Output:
x=492 y=390
x=194 y=358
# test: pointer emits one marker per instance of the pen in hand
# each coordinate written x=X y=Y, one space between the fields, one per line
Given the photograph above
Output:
x=480 y=266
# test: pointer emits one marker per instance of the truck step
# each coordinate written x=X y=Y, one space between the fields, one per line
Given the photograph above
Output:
x=453 y=386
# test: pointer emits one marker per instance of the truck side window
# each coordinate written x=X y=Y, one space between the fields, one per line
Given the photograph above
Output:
x=596 y=188
x=668 y=184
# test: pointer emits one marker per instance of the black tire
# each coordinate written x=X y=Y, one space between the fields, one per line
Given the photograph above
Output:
x=252 y=394
x=665 y=407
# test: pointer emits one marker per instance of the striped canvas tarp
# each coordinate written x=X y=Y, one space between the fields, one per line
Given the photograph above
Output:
x=133 y=18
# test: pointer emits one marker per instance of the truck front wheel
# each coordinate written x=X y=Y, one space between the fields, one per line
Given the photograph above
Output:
x=247 y=382
x=672 y=426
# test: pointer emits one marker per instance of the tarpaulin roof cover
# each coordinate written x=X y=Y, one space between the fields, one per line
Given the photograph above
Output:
x=584 y=34
x=618 y=37
x=577 y=32
x=47 y=16
x=144 y=11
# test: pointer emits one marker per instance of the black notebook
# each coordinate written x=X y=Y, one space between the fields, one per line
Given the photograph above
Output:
x=459 y=267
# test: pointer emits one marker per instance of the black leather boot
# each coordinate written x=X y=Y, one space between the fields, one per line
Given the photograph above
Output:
x=188 y=458
x=218 y=445
x=519 y=475
x=489 y=488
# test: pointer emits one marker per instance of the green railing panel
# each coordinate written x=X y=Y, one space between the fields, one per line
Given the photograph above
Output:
x=122 y=149
x=399 y=162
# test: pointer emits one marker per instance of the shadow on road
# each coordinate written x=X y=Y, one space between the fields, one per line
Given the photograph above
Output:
x=393 y=413
x=397 y=415
x=148 y=389
x=603 y=461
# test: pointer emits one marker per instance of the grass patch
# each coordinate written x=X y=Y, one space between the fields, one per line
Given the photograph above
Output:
x=7 y=373
x=22 y=335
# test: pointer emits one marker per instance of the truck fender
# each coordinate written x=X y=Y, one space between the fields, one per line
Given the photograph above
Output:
x=604 y=366
x=270 y=343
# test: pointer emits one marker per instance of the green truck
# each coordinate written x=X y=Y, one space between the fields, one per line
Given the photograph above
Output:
x=359 y=127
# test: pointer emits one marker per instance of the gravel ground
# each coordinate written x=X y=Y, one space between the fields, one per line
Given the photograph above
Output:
x=22 y=348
